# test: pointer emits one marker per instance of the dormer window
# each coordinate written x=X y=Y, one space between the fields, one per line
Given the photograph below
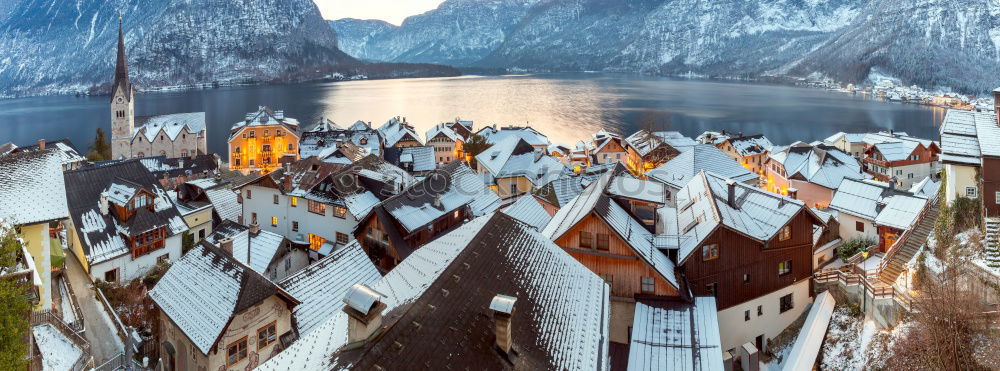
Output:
x=253 y=134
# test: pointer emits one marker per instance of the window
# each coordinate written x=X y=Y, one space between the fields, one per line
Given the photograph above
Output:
x=785 y=267
x=648 y=285
x=785 y=303
x=279 y=133
x=603 y=241
x=237 y=162
x=710 y=252
x=266 y=132
x=760 y=310
x=971 y=192
x=513 y=188
x=288 y=265
x=265 y=148
x=253 y=218
x=339 y=212
x=111 y=275
x=586 y=240
x=712 y=288
x=275 y=199
x=786 y=233
x=317 y=207
x=274 y=221
x=294 y=201
x=236 y=352
x=290 y=148
x=201 y=234
x=859 y=226
x=249 y=194
x=746 y=277
x=996 y=197
x=746 y=315
x=609 y=279
x=295 y=226
x=253 y=134
x=342 y=238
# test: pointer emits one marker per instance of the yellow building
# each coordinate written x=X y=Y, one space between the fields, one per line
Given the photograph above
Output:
x=263 y=141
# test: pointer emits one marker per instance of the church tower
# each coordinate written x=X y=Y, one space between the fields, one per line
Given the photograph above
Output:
x=122 y=104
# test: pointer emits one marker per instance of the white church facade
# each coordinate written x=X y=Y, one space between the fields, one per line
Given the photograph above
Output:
x=172 y=135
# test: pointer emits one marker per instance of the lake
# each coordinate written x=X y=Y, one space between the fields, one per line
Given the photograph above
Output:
x=566 y=107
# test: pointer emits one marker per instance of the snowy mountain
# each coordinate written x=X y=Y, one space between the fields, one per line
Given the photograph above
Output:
x=934 y=43
x=357 y=34
x=64 y=46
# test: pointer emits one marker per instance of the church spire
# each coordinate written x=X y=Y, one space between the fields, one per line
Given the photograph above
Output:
x=121 y=66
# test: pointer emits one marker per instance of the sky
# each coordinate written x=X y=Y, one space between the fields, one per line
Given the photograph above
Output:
x=392 y=11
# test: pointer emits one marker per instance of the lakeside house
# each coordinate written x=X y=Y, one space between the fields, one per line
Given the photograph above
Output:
x=416 y=160
x=33 y=199
x=605 y=147
x=513 y=167
x=317 y=203
x=899 y=158
x=810 y=172
x=217 y=313
x=71 y=159
x=263 y=141
x=750 y=151
x=875 y=210
x=851 y=143
x=172 y=135
x=398 y=133
x=648 y=150
x=533 y=137
x=122 y=222
x=326 y=139
x=447 y=144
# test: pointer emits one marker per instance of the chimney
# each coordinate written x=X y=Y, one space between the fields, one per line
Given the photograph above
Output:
x=227 y=244
x=731 y=193
x=103 y=203
x=503 y=310
x=437 y=201
x=254 y=229
x=364 y=314
x=41 y=144
x=996 y=105
x=793 y=193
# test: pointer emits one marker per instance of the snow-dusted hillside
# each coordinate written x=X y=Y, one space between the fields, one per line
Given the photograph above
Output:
x=933 y=43
x=65 y=46
x=354 y=36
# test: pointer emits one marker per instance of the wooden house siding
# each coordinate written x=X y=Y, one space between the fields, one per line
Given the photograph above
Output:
x=739 y=255
x=991 y=185
x=624 y=266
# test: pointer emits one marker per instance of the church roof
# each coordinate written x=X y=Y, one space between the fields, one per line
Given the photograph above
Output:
x=121 y=67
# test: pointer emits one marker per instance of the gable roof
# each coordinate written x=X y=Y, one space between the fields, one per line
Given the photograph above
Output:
x=675 y=336
x=416 y=158
x=527 y=210
x=593 y=201
x=324 y=140
x=264 y=116
x=100 y=235
x=205 y=288
x=637 y=189
x=560 y=191
x=526 y=133
x=644 y=142
x=704 y=157
x=256 y=251
x=819 y=164
x=66 y=150
x=171 y=124
x=223 y=199
x=321 y=286
x=703 y=206
x=749 y=145
x=32 y=188
x=968 y=135
x=878 y=202
x=444 y=130
x=395 y=130
x=514 y=157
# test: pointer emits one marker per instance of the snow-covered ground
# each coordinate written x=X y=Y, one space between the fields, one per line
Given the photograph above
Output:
x=65 y=305
x=111 y=325
x=58 y=352
x=853 y=345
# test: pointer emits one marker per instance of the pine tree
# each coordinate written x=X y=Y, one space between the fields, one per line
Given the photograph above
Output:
x=100 y=149
x=15 y=309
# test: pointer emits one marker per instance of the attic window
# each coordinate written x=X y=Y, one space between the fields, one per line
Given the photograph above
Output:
x=691 y=225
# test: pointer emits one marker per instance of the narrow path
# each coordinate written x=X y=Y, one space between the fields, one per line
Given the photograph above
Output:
x=104 y=341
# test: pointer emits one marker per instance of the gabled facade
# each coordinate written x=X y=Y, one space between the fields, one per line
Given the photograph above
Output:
x=448 y=145
x=533 y=137
x=677 y=172
x=268 y=254
x=905 y=160
x=440 y=202
x=122 y=222
x=172 y=135
x=648 y=150
x=514 y=167
x=875 y=210
x=605 y=148
x=809 y=172
x=750 y=151
x=971 y=158
x=398 y=133
x=71 y=159
x=264 y=141
x=319 y=204
x=216 y=313
x=750 y=249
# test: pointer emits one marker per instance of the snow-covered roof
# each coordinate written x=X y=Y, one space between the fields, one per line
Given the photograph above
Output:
x=819 y=164
x=927 y=188
x=32 y=188
x=416 y=158
x=527 y=209
x=878 y=202
x=468 y=267
x=712 y=137
x=854 y=138
x=514 y=157
x=66 y=150
x=224 y=201
x=256 y=251
x=443 y=130
x=560 y=191
x=526 y=133
x=750 y=145
x=171 y=125
x=593 y=201
x=320 y=287
x=452 y=187
x=396 y=130
x=676 y=336
x=703 y=205
x=324 y=140
x=704 y=157
x=600 y=139
x=204 y=289
x=101 y=235
x=807 y=345
x=264 y=116
x=645 y=142
x=642 y=190
x=968 y=135
x=57 y=351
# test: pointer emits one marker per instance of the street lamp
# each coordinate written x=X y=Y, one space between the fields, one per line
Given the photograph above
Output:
x=864 y=283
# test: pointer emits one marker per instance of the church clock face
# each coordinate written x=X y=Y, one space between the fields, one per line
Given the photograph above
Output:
x=120 y=99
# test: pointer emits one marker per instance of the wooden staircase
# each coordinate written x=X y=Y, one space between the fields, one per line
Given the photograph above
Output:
x=909 y=244
x=992 y=240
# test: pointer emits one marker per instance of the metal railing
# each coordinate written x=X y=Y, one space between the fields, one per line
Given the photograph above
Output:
x=898 y=245
x=48 y=318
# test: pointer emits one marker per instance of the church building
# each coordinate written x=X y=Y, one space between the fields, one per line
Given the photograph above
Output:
x=172 y=135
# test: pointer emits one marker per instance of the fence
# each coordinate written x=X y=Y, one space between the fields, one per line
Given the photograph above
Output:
x=46 y=317
x=880 y=291
x=119 y=362
x=79 y=323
